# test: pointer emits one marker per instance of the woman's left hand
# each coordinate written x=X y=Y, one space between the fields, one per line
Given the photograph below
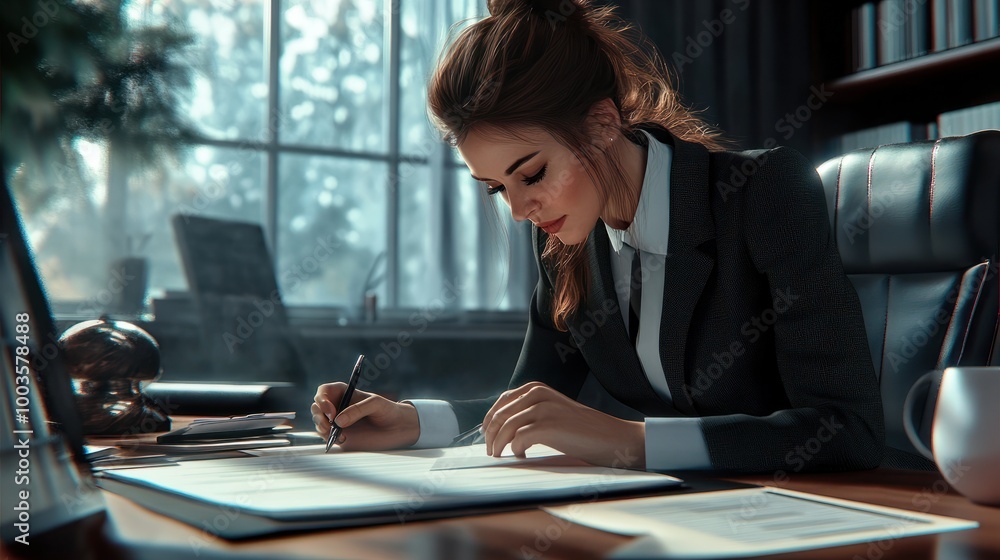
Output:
x=536 y=413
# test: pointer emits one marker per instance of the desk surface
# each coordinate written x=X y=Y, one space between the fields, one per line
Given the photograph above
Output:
x=535 y=534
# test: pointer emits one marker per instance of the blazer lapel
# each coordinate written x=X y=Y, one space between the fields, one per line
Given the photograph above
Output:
x=687 y=268
x=609 y=351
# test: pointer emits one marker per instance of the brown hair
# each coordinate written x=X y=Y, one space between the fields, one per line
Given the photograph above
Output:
x=543 y=64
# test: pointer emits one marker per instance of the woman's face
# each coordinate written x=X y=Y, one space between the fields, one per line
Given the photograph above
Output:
x=540 y=180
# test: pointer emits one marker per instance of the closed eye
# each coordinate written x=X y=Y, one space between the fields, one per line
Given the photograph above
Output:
x=527 y=181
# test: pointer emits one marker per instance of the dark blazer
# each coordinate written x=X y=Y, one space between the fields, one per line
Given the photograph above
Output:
x=761 y=333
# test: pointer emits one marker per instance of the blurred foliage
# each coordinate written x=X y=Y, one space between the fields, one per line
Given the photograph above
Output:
x=77 y=70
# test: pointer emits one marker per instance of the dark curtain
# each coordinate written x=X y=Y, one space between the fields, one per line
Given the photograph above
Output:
x=747 y=69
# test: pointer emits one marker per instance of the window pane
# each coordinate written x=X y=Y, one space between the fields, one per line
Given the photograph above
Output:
x=331 y=228
x=228 y=94
x=62 y=208
x=84 y=222
x=211 y=182
x=331 y=75
x=462 y=257
x=473 y=243
x=485 y=243
x=424 y=26
x=419 y=272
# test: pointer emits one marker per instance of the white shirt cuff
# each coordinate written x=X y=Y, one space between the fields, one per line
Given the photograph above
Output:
x=438 y=423
x=674 y=444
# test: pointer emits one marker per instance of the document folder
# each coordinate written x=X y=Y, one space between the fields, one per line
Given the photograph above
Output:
x=250 y=496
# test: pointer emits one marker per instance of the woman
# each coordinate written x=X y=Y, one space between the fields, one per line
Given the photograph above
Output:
x=700 y=286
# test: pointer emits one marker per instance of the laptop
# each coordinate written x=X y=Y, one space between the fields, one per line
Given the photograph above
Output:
x=244 y=324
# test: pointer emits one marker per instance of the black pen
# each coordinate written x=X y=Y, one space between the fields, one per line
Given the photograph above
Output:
x=345 y=400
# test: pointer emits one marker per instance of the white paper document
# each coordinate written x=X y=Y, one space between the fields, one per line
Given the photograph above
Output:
x=466 y=457
x=748 y=522
x=474 y=456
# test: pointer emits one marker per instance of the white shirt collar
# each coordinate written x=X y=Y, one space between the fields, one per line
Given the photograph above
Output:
x=651 y=224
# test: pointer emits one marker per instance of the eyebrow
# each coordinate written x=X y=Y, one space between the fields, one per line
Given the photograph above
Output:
x=513 y=166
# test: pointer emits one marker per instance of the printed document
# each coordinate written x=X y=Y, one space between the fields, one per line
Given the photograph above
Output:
x=748 y=522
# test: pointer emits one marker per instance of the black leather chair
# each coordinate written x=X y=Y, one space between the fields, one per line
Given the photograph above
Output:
x=916 y=225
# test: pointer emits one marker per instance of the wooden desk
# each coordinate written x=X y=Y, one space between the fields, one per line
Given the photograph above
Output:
x=535 y=534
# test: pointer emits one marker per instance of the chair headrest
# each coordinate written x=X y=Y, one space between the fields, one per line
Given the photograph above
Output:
x=917 y=207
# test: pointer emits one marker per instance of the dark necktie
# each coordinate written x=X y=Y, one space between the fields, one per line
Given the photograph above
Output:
x=634 y=297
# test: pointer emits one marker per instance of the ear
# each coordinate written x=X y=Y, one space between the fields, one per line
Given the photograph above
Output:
x=603 y=119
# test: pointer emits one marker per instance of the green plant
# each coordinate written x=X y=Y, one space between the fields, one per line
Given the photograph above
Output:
x=77 y=70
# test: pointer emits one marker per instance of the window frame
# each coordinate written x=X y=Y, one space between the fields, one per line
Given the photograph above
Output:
x=522 y=273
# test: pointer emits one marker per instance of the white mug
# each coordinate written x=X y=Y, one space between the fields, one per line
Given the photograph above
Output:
x=965 y=433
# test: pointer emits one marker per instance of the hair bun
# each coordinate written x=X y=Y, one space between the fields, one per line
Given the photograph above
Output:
x=556 y=10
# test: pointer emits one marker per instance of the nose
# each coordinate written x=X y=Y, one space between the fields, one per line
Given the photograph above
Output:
x=522 y=203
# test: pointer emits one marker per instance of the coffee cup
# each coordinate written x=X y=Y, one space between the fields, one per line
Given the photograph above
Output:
x=965 y=430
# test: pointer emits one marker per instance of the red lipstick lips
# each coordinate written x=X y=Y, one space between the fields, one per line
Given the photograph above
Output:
x=552 y=227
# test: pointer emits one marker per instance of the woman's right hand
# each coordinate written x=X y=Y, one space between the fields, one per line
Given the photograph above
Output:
x=370 y=422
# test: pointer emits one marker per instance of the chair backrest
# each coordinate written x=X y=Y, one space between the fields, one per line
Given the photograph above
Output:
x=917 y=228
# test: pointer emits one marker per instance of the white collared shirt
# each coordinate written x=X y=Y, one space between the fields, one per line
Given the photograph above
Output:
x=671 y=443
x=649 y=232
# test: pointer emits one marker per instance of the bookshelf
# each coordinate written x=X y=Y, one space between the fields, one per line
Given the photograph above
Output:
x=897 y=70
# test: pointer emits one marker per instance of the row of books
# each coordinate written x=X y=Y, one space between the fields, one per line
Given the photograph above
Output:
x=953 y=123
x=887 y=31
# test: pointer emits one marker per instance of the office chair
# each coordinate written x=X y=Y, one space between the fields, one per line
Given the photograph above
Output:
x=917 y=228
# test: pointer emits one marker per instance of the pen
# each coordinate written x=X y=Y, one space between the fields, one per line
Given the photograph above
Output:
x=345 y=400
x=460 y=438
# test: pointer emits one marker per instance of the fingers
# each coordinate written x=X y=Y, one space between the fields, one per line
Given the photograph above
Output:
x=370 y=405
x=326 y=395
x=525 y=437
x=506 y=398
x=320 y=420
x=516 y=431
x=505 y=415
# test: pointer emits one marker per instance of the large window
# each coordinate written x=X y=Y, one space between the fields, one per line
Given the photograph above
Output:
x=311 y=120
